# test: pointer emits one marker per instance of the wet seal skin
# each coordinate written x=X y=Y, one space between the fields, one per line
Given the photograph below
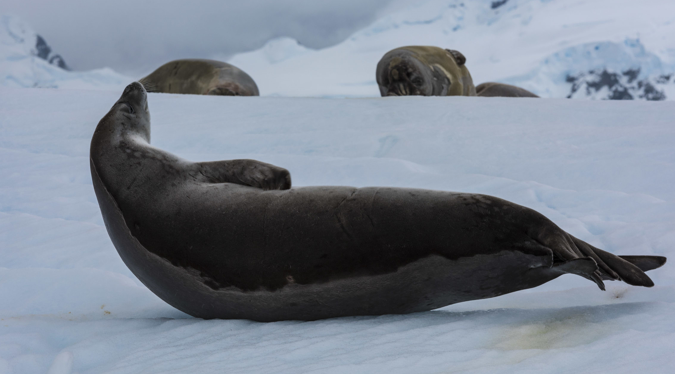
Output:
x=231 y=239
x=200 y=77
x=433 y=71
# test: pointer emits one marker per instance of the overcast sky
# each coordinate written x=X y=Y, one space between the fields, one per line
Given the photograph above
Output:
x=135 y=36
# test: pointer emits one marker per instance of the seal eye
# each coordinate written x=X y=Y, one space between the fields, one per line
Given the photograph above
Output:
x=131 y=109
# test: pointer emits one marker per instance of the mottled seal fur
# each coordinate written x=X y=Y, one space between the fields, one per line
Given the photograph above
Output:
x=231 y=239
x=433 y=71
x=200 y=77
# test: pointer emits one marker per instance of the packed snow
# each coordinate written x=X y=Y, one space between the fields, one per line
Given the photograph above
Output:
x=602 y=170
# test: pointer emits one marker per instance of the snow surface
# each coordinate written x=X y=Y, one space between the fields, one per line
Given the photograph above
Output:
x=535 y=44
x=602 y=170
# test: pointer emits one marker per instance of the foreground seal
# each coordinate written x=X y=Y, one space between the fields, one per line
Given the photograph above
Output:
x=433 y=71
x=200 y=77
x=230 y=239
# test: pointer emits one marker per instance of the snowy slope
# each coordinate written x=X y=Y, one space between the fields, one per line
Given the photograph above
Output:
x=543 y=45
x=603 y=171
x=26 y=60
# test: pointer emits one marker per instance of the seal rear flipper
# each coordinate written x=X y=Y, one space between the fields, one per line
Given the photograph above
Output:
x=584 y=267
x=645 y=263
x=627 y=271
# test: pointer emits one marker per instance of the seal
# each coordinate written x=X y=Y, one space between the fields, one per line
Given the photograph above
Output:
x=200 y=77
x=425 y=71
x=231 y=239
x=493 y=89
x=434 y=71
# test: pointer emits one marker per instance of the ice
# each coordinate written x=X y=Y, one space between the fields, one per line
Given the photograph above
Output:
x=602 y=170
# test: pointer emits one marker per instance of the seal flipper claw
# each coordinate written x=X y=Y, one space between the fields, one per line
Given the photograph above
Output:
x=584 y=267
x=596 y=278
x=605 y=270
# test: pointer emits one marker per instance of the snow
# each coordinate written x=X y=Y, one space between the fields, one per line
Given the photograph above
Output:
x=535 y=44
x=602 y=170
x=20 y=65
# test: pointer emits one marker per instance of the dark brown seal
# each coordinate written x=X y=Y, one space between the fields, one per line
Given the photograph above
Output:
x=200 y=77
x=231 y=239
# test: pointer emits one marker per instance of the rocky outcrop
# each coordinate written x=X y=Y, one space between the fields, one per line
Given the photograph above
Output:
x=626 y=85
x=44 y=51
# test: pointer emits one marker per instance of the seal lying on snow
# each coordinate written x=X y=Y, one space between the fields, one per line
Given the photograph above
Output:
x=230 y=239
x=433 y=71
x=200 y=77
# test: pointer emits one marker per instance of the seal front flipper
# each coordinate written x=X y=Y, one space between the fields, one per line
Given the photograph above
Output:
x=246 y=172
x=458 y=56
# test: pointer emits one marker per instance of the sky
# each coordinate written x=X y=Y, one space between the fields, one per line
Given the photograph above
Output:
x=134 y=37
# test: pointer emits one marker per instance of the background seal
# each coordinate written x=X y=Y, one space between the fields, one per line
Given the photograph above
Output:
x=433 y=71
x=200 y=77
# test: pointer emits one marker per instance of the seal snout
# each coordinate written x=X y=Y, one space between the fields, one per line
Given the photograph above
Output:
x=135 y=93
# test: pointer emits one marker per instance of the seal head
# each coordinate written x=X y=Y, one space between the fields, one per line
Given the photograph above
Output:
x=425 y=71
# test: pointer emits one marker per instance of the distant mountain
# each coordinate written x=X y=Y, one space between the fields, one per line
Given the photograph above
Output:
x=44 y=51
x=26 y=60
x=599 y=49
